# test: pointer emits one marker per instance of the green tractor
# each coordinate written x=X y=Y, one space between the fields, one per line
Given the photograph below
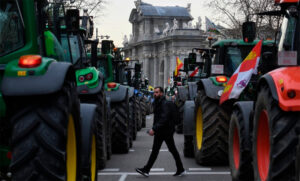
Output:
x=205 y=123
x=119 y=97
x=90 y=82
x=46 y=134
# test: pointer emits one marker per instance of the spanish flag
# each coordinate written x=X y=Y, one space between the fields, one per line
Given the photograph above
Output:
x=242 y=75
x=179 y=65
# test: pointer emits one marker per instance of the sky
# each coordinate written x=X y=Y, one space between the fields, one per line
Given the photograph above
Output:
x=114 y=18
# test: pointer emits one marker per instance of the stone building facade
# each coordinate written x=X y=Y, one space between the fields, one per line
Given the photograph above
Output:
x=159 y=35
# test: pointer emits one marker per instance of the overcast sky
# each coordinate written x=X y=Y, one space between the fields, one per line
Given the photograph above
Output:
x=115 y=15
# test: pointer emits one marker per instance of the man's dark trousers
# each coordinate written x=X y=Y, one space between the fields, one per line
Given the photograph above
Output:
x=169 y=140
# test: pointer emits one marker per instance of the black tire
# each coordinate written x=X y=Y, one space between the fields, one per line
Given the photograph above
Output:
x=188 y=149
x=240 y=154
x=133 y=119
x=108 y=131
x=282 y=139
x=100 y=132
x=101 y=124
x=298 y=160
x=120 y=127
x=213 y=148
x=138 y=114
x=143 y=111
x=40 y=143
x=179 y=127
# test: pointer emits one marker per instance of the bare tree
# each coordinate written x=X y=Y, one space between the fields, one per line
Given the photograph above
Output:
x=234 y=12
x=94 y=7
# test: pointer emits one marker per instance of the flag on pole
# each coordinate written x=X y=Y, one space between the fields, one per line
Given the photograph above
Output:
x=195 y=72
x=179 y=65
x=211 y=27
x=242 y=75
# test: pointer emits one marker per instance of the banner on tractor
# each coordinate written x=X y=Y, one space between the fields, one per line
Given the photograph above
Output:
x=179 y=65
x=242 y=75
x=211 y=27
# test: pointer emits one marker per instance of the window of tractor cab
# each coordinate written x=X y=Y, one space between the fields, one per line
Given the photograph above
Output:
x=287 y=37
x=11 y=26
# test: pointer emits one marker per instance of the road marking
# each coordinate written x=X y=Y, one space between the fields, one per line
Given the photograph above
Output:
x=110 y=170
x=131 y=150
x=123 y=177
x=160 y=150
x=157 y=170
x=166 y=173
x=199 y=169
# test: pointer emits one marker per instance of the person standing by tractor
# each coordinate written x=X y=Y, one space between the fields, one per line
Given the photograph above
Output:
x=163 y=130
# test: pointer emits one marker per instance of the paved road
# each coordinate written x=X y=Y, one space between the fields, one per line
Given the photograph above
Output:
x=122 y=167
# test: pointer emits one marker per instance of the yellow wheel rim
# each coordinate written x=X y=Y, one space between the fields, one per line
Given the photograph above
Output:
x=199 y=128
x=71 y=151
x=93 y=159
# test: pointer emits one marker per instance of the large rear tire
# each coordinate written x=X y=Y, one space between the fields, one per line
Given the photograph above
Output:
x=211 y=133
x=46 y=136
x=120 y=127
x=133 y=119
x=274 y=139
x=179 y=127
x=240 y=157
x=138 y=114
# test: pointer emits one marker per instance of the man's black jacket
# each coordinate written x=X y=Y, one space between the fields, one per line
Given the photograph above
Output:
x=164 y=112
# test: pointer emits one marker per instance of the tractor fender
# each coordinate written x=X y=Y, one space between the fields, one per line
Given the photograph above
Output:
x=84 y=89
x=210 y=89
x=246 y=108
x=280 y=82
x=117 y=95
x=192 y=90
x=87 y=112
x=188 y=118
x=183 y=93
x=51 y=82
x=130 y=92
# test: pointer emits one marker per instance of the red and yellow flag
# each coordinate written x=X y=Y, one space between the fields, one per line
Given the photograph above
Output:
x=242 y=75
x=179 y=65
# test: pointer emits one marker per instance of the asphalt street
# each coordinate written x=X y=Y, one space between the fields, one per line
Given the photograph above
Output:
x=122 y=167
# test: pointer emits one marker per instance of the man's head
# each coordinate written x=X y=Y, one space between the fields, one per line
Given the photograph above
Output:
x=158 y=92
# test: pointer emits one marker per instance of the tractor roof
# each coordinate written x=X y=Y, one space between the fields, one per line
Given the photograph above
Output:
x=278 y=2
x=238 y=42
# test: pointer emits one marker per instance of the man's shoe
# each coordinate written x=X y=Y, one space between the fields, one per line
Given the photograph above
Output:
x=142 y=171
x=179 y=173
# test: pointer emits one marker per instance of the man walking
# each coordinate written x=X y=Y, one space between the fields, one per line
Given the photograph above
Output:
x=162 y=130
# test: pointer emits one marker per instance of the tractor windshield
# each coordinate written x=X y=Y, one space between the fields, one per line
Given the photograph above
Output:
x=287 y=37
x=234 y=57
x=11 y=27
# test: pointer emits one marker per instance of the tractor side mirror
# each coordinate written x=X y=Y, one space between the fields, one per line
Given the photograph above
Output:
x=72 y=18
x=249 y=31
x=192 y=58
x=137 y=68
x=186 y=64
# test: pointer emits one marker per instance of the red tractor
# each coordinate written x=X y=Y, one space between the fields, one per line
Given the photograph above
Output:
x=264 y=131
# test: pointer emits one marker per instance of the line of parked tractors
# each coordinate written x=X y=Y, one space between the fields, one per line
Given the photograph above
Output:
x=65 y=104
x=258 y=133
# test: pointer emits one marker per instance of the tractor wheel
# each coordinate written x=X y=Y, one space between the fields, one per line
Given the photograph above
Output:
x=143 y=111
x=274 y=139
x=211 y=132
x=108 y=131
x=179 y=127
x=120 y=127
x=100 y=133
x=188 y=149
x=46 y=136
x=138 y=114
x=240 y=157
x=133 y=119
x=101 y=125
x=298 y=161
x=130 y=123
